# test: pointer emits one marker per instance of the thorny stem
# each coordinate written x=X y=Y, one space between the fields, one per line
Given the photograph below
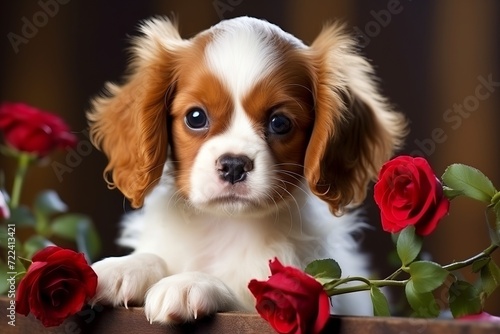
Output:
x=461 y=264
x=390 y=281
x=366 y=286
x=394 y=274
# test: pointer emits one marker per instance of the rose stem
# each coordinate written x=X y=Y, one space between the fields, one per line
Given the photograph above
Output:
x=23 y=163
x=366 y=286
x=390 y=282
x=461 y=264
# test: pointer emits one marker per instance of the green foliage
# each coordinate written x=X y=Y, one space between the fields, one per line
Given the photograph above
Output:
x=4 y=285
x=34 y=244
x=22 y=217
x=451 y=193
x=408 y=245
x=469 y=181
x=78 y=228
x=48 y=202
x=24 y=264
x=479 y=264
x=464 y=299
x=324 y=271
x=423 y=303
x=379 y=301
x=495 y=229
x=427 y=276
x=490 y=277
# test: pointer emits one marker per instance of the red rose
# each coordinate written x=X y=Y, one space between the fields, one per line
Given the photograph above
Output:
x=409 y=193
x=291 y=301
x=31 y=130
x=57 y=285
x=483 y=316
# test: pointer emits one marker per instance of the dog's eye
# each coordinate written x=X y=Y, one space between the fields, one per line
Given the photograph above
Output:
x=196 y=119
x=280 y=125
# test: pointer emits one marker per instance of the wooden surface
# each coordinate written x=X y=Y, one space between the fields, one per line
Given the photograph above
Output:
x=121 y=321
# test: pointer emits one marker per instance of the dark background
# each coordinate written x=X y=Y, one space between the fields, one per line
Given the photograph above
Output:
x=429 y=56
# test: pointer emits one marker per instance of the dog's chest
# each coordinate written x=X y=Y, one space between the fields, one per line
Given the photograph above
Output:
x=212 y=245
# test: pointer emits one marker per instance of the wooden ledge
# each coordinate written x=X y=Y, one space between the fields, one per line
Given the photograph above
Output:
x=121 y=321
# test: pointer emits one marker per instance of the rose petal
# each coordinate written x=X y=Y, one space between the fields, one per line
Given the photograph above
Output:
x=291 y=283
x=442 y=210
x=483 y=316
x=275 y=266
x=323 y=312
x=43 y=254
x=280 y=313
x=32 y=130
x=28 y=286
x=44 y=308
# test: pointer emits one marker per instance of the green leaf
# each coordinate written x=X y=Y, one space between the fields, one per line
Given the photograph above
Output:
x=34 y=244
x=87 y=241
x=479 y=264
x=324 y=270
x=22 y=217
x=379 y=301
x=424 y=304
x=48 y=202
x=464 y=299
x=427 y=276
x=4 y=284
x=496 y=198
x=25 y=263
x=490 y=277
x=470 y=181
x=495 y=234
x=451 y=193
x=78 y=228
x=408 y=245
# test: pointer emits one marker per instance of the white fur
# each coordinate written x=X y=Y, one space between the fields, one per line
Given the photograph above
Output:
x=232 y=250
x=242 y=46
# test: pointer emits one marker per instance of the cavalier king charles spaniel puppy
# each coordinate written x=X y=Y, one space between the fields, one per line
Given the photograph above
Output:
x=239 y=145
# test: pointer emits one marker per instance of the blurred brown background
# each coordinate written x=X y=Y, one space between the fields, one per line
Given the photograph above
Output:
x=430 y=56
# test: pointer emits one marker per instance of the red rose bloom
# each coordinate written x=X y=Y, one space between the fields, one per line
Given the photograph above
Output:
x=291 y=301
x=31 y=130
x=57 y=285
x=409 y=193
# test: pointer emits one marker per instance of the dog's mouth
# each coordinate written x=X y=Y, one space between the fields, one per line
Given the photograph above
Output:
x=233 y=204
x=231 y=199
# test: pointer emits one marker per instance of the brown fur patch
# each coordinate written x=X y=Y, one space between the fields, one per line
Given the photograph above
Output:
x=196 y=88
x=287 y=91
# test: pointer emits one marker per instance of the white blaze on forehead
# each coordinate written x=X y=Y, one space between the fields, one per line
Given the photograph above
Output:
x=241 y=53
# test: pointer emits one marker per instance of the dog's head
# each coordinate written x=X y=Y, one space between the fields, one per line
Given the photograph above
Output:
x=249 y=112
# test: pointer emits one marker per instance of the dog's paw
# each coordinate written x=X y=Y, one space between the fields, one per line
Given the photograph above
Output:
x=125 y=280
x=187 y=296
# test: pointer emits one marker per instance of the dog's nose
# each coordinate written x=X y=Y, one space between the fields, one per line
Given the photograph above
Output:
x=233 y=168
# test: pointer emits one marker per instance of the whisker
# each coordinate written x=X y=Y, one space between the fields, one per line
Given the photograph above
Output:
x=299 y=178
x=308 y=194
x=290 y=221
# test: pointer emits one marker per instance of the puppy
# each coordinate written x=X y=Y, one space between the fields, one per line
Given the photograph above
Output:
x=240 y=144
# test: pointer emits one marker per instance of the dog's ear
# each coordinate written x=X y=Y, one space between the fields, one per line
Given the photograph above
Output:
x=129 y=123
x=355 y=130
